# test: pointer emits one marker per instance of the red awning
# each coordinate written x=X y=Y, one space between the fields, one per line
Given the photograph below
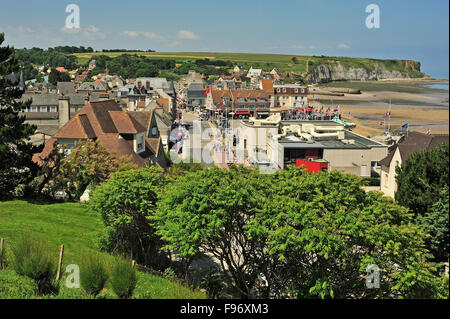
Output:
x=301 y=111
x=242 y=112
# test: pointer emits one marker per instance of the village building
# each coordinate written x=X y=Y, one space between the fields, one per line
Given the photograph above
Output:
x=399 y=153
x=324 y=143
x=126 y=134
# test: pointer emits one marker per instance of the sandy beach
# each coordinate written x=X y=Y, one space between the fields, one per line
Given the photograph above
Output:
x=423 y=104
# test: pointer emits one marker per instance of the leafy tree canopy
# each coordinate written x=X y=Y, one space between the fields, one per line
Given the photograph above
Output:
x=16 y=152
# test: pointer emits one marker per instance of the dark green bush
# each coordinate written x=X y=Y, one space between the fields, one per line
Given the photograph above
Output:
x=123 y=278
x=31 y=257
x=93 y=274
x=371 y=181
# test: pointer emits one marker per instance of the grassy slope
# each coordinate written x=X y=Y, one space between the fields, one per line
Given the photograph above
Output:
x=71 y=225
x=265 y=61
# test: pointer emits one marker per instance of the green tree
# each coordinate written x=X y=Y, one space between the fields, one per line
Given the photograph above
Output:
x=16 y=152
x=422 y=181
x=435 y=223
x=421 y=178
x=126 y=203
x=89 y=163
x=55 y=76
x=208 y=212
x=293 y=234
x=325 y=231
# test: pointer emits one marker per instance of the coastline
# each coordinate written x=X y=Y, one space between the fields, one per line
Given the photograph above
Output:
x=409 y=100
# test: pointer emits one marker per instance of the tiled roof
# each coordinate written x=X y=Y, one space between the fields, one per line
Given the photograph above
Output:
x=105 y=121
x=267 y=86
x=218 y=95
x=415 y=142
x=248 y=94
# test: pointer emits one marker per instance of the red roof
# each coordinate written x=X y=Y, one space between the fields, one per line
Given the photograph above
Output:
x=112 y=127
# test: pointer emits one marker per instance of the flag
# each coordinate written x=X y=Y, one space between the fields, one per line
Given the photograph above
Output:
x=336 y=109
x=387 y=114
x=207 y=91
x=329 y=108
x=429 y=131
x=223 y=103
x=382 y=122
x=405 y=126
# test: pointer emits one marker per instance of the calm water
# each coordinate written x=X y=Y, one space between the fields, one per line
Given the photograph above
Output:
x=438 y=86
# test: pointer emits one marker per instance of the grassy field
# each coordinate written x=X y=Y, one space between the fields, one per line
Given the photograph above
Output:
x=259 y=60
x=78 y=230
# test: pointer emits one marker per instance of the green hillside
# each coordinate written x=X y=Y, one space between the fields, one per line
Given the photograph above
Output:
x=78 y=230
x=268 y=61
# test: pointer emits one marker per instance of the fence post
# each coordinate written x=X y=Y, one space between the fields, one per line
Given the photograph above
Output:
x=133 y=263
x=2 y=241
x=61 y=253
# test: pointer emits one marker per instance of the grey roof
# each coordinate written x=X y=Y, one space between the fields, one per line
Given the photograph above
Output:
x=52 y=99
x=196 y=90
x=65 y=88
x=360 y=142
x=155 y=83
x=91 y=86
x=11 y=78
x=41 y=99
x=415 y=142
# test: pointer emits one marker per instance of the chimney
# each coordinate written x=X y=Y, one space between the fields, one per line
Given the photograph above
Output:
x=63 y=110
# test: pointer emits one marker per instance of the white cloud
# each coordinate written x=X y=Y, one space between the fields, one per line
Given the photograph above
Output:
x=91 y=32
x=130 y=34
x=343 y=46
x=150 y=35
x=304 y=47
x=135 y=34
x=187 y=35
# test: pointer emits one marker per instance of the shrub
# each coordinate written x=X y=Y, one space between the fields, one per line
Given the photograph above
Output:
x=170 y=274
x=93 y=274
x=31 y=257
x=126 y=202
x=123 y=278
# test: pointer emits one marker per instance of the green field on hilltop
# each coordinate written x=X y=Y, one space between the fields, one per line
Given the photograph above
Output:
x=260 y=60
x=69 y=224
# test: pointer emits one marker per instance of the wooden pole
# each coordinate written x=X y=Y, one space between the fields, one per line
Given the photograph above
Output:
x=133 y=263
x=1 y=252
x=61 y=253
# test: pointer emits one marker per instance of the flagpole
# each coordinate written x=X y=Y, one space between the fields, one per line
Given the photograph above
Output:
x=389 y=126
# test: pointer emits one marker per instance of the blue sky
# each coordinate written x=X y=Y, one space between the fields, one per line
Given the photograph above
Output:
x=410 y=29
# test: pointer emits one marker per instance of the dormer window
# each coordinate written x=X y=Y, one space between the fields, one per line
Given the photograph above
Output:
x=154 y=132
x=139 y=143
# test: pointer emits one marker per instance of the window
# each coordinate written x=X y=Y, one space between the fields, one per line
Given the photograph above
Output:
x=284 y=90
x=296 y=90
x=154 y=131
x=140 y=143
